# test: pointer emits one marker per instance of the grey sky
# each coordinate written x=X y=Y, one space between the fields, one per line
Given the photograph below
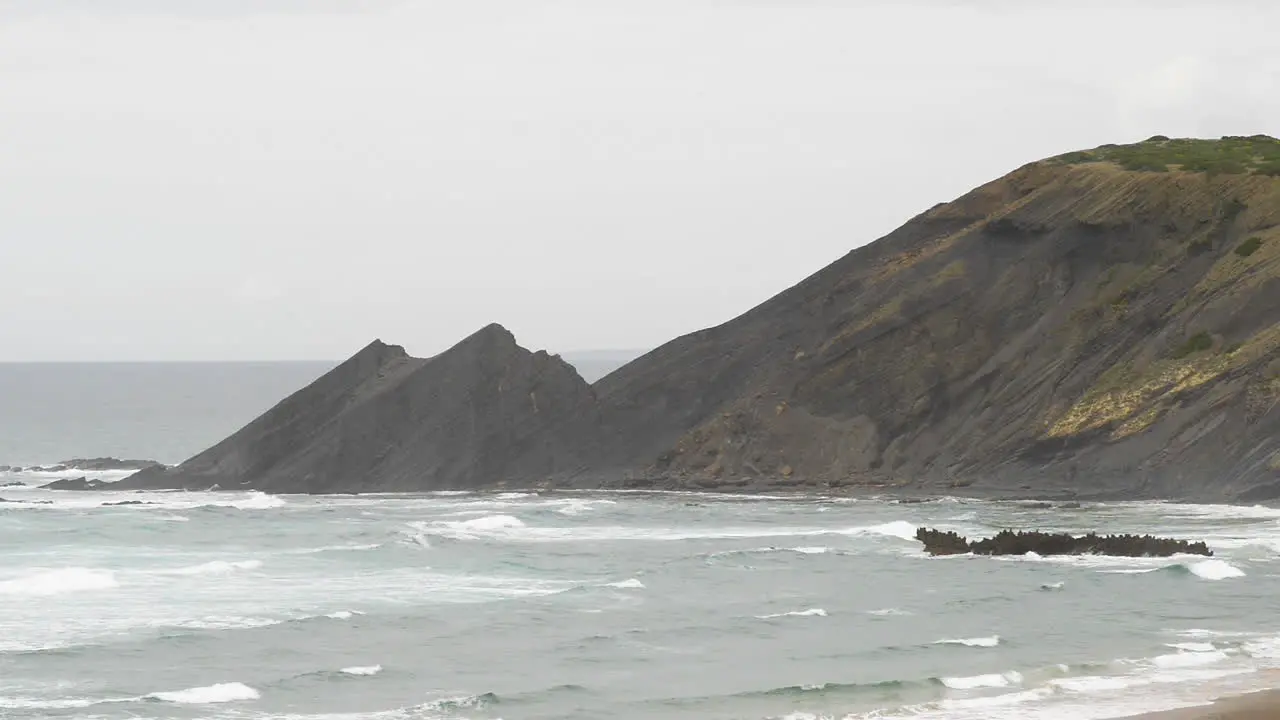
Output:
x=272 y=180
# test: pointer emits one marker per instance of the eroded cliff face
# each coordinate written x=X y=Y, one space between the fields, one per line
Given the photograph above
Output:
x=1067 y=327
x=1084 y=325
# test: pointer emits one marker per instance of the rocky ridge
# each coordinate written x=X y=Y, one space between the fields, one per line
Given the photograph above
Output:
x=1103 y=324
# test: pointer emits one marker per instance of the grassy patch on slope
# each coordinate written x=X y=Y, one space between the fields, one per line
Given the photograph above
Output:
x=1230 y=155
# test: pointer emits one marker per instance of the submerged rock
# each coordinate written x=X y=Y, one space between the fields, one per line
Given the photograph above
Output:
x=1008 y=542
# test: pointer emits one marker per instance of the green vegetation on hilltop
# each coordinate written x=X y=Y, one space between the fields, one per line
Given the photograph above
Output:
x=1231 y=155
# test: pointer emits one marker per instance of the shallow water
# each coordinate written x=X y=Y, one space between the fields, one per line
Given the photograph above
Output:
x=620 y=605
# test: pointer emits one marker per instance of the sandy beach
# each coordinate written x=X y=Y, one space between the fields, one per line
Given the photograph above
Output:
x=1263 y=705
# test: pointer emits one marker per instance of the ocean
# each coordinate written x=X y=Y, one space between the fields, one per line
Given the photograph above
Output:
x=564 y=605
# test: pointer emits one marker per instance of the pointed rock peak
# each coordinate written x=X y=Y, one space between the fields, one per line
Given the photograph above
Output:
x=489 y=338
x=494 y=331
x=382 y=350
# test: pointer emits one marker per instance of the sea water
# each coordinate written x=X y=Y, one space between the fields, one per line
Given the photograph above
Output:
x=572 y=605
x=620 y=605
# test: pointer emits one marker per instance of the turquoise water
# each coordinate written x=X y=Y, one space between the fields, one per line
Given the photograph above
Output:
x=612 y=605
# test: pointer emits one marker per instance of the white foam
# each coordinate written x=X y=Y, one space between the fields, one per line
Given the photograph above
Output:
x=1052 y=586
x=811 y=612
x=217 y=567
x=1031 y=555
x=1188 y=659
x=57 y=582
x=222 y=622
x=362 y=670
x=579 y=506
x=888 y=612
x=487 y=523
x=220 y=693
x=21 y=703
x=343 y=614
x=335 y=548
x=811 y=550
x=1263 y=648
x=1192 y=647
x=626 y=584
x=898 y=528
x=992 y=680
x=256 y=500
x=991 y=641
x=250 y=500
x=992 y=701
x=1216 y=570
x=1202 y=633
x=1094 y=683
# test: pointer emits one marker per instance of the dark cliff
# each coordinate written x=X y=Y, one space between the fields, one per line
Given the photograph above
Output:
x=1104 y=323
x=1073 y=326
x=384 y=421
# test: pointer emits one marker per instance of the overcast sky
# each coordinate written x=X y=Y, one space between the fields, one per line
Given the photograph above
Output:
x=288 y=179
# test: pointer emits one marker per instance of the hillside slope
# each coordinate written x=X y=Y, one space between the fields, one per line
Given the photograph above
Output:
x=1075 y=325
x=384 y=421
x=1101 y=324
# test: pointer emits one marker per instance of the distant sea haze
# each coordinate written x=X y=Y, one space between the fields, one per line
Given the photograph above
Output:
x=165 y=411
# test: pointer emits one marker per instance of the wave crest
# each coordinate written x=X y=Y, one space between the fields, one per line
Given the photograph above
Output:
x=60 y=581
x=992 y=680
x=220 y=693
x=990 y=641
x=811 y=612
x=217 y=567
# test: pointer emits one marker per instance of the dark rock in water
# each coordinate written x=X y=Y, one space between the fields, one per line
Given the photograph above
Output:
x=102 y=464
x=80 y=483
x=1008 y=542
x=937 y=542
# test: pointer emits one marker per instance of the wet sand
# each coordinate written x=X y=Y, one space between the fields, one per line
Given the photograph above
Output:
x=1263 y=705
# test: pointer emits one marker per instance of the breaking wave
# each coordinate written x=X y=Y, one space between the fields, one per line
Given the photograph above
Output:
x=988 y=642
x=633 y=583
x=57 y=582
x=220 y=693
x=992 y=680
x=362 y=670
x=811 y=612
x=217 y=567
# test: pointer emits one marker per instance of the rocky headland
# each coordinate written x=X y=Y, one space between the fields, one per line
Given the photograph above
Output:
x=1099 y=325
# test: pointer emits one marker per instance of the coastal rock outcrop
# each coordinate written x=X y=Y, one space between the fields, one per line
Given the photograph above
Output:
x=484 y=412
x=1098 y=325
x=1008 y=542
x=80 y=483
